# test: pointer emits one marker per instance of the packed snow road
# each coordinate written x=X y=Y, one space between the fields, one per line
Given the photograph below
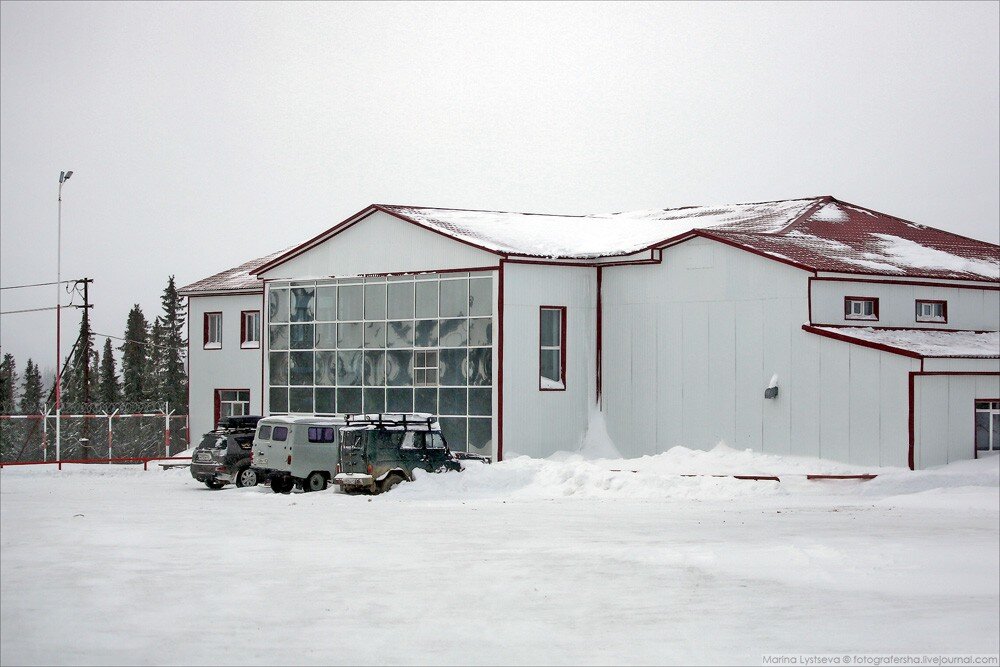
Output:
x=525 y=562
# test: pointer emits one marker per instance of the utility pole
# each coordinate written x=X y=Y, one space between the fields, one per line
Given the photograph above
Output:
x=85 y=352
x=63 y=177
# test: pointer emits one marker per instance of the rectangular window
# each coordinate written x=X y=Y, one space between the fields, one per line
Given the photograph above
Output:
x=987 y=425
x=861 y=308
x=552 y=348
x=280 y=433
x=250 y=329
x=213 y=331
x=321 y=434
x=425 y=368
x=264 y=433
x=932 y=311
x=231 y=403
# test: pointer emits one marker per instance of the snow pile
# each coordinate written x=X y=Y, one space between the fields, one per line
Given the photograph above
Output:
x=597 y=444
x=685 y=474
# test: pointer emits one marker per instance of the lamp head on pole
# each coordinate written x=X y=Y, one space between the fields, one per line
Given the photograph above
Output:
x=64 y=176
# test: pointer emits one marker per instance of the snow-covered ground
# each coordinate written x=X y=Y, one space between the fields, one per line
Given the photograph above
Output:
x=559 y=561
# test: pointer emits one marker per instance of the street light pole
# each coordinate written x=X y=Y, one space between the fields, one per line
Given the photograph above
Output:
x=63 y=177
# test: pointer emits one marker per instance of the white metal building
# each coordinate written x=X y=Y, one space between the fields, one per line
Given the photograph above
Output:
x=808 y=327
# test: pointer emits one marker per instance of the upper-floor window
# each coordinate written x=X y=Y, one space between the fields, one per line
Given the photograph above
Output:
x=213 y=331
x=552 y=348
x=860 y=308
x=250 y=329
x=932 y=311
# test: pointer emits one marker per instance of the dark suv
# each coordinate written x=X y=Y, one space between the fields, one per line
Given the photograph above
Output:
x=377 y=452
x=223 y=457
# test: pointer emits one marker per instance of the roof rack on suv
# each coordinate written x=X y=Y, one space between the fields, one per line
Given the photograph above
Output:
x=238 y=422
x=392 y=419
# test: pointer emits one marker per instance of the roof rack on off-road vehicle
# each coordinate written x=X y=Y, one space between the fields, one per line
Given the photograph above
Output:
x=403 y=419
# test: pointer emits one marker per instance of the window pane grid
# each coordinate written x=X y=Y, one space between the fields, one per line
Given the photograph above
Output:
x=374 y=344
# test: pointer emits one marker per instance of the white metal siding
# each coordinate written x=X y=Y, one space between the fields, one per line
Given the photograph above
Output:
x=968 y=308
x=538 y=423
x=227 y=368
x=381 y=243
x=943 y=420
x=716 y=330
x=715 y=323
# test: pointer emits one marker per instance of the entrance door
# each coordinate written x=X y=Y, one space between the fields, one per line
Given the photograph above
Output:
x=987 y=425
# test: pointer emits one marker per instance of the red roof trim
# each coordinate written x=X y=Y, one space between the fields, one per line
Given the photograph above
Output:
x=751 y=249
x=319 y=238
x=914 y=283
x=350 y=222
x=862 y=343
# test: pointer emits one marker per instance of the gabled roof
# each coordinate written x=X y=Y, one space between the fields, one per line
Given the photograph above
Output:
x=240 y=279
x=918 y=343
x=816 y=234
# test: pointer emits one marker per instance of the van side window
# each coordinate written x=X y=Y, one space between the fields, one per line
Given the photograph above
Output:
x=280 y=433
x=264 y=433
x=435 y=441
x=321 y=434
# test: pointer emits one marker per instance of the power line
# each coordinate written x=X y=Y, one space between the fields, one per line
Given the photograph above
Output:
x=27 y=310
x=137 y=342
x=36 y=284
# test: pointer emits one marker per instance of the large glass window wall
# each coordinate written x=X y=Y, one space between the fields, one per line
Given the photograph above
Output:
x=416 y=343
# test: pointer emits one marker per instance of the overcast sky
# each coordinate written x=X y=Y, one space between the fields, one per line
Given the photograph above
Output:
x=202 y=135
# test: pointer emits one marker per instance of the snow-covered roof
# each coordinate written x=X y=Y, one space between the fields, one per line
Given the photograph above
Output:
x=237 y=279
x=596 y=235
x=816 y=233
x=920 y=342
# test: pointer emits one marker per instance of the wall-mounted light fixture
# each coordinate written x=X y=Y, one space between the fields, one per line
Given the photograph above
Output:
x=772 y=388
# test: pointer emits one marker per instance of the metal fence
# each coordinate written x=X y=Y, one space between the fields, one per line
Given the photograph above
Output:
x=95 y=431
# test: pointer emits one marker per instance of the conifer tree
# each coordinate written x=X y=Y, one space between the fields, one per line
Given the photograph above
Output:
x=134 y=350
x=8 y=383
x=77 y=383
x=31 y=389
x=155 y=362
x=109 y=388
x=173 y=347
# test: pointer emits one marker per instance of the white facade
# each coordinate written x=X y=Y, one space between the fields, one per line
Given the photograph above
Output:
x=536 y=422
x=228 y=367
x=675 y=345
x=971 y=308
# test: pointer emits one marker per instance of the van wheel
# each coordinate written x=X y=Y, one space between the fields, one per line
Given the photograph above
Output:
x=314 y=482
x=213 y=484
x=390 y=481
x=277 y=484
x=246 y=477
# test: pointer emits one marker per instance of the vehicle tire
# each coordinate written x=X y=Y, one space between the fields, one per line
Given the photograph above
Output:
x=214 y=484
x=390 y=481
x=288 y=485
x=277 y=484
x=246 y=476
x=316 y=481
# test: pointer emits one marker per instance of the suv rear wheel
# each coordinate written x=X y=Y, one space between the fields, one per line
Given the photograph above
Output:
x=214 y=484
x=246 y=476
